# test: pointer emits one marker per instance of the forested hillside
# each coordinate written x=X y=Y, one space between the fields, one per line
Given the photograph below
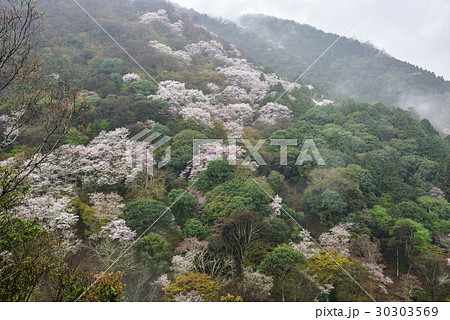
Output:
x=246 y=219
x=349 y=68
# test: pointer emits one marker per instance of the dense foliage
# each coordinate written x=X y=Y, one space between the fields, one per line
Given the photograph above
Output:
x=220 y=225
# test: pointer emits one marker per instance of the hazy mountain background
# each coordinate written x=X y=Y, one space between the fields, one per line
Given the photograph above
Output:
x=350 y=68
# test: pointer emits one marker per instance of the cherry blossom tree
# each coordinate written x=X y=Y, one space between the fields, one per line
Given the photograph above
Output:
x=160 y=17
x=118 y=230
x=130 y=77
x=322 y=103
x=368 y=252
x=53 y=215
x=160 y=46
x=437 y=193
x=183 y=264
x=104 y=161
x=178 y=97
x=255 y=286
x=248 y=86
x=338 y=239
x=307 y=246
x=211 y=49
x=184 y=56
x=275 y=207
x=200 y=114
x=191 y=296
x=111 y=248
x=273 y=111
x=234 y=129
x=162 y=281
x=107 y=206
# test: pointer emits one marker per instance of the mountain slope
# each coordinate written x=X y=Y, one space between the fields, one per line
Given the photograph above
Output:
x=215 y=226
x=349 y=68
x=359 y=69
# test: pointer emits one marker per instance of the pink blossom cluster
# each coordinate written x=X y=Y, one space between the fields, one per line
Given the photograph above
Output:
x=162 y=281
x=273 y=111
x=130 y=77
x=213 y=50
x=201 y=114
x=307 y=246
x=338 y=239
x=191 y=296
x=247 y=85
x=160 y=17
x=184 y=56
x=102 y=162
x=183 y=264
x=376 y=272
x=118 y=230
x=275 y=207
x=51 y=213
x=242 y=75
x=178 y=97
x=107 y=206
x=256 y=284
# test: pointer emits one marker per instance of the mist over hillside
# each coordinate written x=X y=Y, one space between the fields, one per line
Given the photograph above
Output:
x=350 y=68
x=106 y=194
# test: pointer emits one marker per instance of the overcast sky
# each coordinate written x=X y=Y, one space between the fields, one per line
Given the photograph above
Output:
x=417 y=31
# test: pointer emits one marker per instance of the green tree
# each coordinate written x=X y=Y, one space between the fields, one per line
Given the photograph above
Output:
x=438 y=211
x=218 y=207
x=141 y=214
x=444 y=178
x=217 y=172
x=379 y=220
x=144 y=87
x=194 y=228
x=161 y=129
x=276 y=180
x=155 y=253
x=182 y=149
x=238 y=196
x=182 y=204
x=76 y=137
x=332 y=206
x=280 y=230
x=113 y=65
x=278 y=263
x=199 y=282
x=324 y=267
x=409 y=237
x=24 y=261
x=411 y=210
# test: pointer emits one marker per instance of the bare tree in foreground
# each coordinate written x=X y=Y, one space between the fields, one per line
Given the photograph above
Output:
x=27 y=100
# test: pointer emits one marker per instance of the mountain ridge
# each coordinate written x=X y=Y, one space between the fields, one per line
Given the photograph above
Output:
x=377 y=76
